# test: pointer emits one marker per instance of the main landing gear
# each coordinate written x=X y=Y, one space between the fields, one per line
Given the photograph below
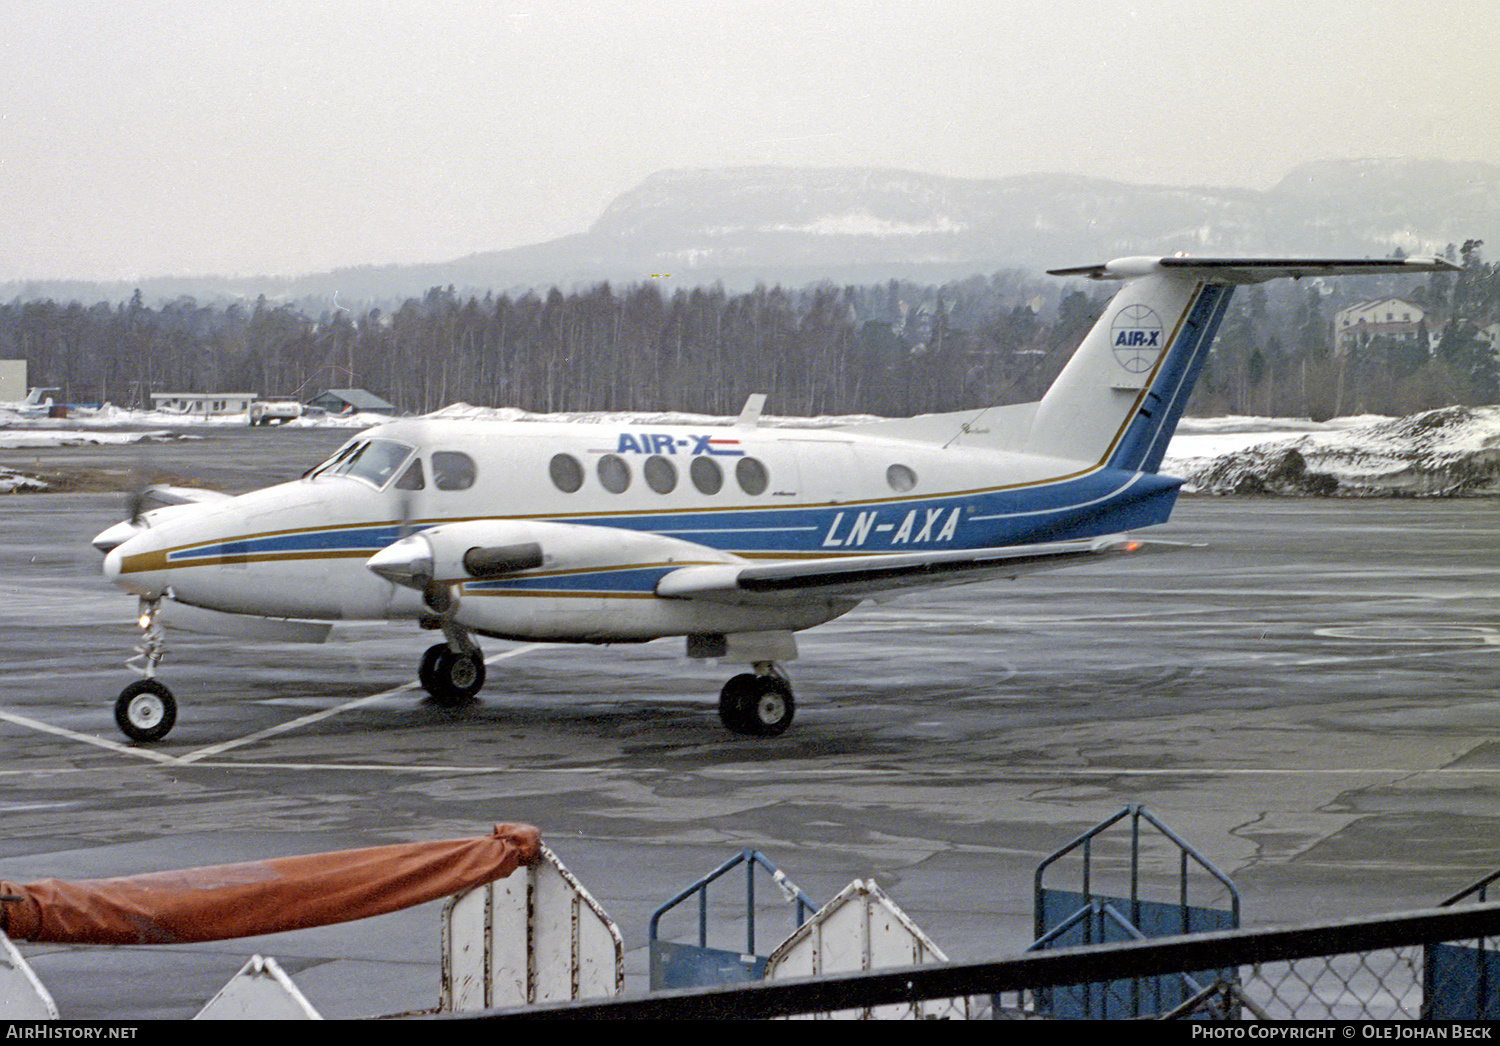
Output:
x=452 y=672
x=759 y=704
x=146 y=710
x=450 y=677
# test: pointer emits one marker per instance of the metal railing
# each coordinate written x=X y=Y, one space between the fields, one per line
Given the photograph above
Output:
x=1364 y=969
x=675 y=964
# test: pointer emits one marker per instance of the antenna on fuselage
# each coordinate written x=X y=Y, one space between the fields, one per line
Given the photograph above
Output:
x=750 y=414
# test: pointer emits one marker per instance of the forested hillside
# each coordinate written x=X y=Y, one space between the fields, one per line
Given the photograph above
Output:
x=891 y=349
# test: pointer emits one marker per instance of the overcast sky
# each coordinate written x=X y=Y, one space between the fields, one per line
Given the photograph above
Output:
x=182 y=137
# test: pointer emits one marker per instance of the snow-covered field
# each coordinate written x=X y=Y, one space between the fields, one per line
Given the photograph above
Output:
x=1438 y=453
x=1445 y=452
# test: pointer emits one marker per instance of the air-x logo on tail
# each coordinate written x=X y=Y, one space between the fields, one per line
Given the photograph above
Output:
x=1136 y=337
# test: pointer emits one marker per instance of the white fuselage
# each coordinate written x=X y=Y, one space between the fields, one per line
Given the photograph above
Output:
x=669 y=495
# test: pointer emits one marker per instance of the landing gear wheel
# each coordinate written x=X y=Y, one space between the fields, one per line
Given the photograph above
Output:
x=427 y=670
x=761 y=706
x=455 y=678
x=146 y=710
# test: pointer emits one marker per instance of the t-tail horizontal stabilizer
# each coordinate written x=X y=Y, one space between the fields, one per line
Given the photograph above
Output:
x=1253 y=270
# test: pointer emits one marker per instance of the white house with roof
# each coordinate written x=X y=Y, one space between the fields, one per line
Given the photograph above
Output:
x=206 y=404
x=1364 y=322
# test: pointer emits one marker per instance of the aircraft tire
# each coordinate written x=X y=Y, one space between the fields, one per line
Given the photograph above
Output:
x=456 y=678
x=427 y=669
x=145 y=711
x=760 y=706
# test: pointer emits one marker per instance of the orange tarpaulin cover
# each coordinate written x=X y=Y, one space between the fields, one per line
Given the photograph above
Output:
x=242 y=900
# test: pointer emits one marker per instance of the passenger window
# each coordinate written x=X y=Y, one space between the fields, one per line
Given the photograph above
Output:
x=900 y=478
x=452 y=470
x=567 y=474
x=706 y=475
x=752 y=476
x=614 y=474
x=661 y=474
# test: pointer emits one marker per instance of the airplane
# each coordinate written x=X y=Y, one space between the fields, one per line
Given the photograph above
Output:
x=37 y=404
x=734 y=537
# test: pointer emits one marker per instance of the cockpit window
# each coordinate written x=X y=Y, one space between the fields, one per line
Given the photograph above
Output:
x=411 y=479
x=375 y=462
x=339 y=455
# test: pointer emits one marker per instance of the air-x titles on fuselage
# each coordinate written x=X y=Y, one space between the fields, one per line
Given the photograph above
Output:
x=667 y=443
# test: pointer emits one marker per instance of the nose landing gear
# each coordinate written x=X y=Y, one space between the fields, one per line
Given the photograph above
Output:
x=146 y=710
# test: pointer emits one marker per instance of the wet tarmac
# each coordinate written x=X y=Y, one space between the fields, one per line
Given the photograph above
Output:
x=1310 y=697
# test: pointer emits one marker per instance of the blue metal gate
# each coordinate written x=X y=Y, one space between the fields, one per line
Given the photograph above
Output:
x=676 y=965
x=1087 y=915
x=1459 y=982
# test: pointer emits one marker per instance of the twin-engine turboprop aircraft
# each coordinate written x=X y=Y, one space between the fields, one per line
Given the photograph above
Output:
x=735 y=538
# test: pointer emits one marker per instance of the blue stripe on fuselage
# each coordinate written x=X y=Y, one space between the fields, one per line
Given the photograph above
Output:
x=365 y=537
x=1103 y=501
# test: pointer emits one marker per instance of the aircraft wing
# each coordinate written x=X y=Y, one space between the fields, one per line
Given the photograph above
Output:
x=860 y=577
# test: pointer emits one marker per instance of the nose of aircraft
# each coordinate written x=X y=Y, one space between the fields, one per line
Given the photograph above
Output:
x=141 y=579
x=406 y=562
x=111 y=538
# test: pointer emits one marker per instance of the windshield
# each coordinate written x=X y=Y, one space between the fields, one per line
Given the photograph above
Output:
x=374 y=461
x=338 y=456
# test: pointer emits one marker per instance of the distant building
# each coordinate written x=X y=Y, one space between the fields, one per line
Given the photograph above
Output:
x=351 y=401
x=1363 y=322
x=206 y=404
x=12 y=380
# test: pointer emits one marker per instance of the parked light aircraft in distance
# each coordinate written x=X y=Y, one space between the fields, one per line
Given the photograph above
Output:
x=733 y=537
x=37 y=404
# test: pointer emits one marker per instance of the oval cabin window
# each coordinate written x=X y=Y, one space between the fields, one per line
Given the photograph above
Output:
x=567 y=474
x=452 y=470
x=752 y=476
x=660 y=474
x=614 y=474
x=900 y=478
x=706 y=475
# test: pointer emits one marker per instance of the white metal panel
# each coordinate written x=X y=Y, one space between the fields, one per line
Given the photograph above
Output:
x=535 y=936
x=261 y=991
x=22 y=995
x=464 y=936
x=507 y=945
x=862 y=929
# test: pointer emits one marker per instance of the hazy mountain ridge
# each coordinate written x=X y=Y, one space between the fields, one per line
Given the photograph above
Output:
x=791 y=226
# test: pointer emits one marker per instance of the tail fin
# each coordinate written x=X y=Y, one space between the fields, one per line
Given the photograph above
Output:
x=1118 y=400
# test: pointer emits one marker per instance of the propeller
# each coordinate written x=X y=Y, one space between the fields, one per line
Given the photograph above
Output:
x=141 y=480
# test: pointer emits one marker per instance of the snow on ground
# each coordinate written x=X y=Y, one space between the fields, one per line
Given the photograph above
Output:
x=643 y=417
x=13 y=482
x=11 y=439
x=111 y=417
x=1438 y=453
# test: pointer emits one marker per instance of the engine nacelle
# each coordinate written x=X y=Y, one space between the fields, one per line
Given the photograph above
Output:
x=454 y=553
x=568 y=582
